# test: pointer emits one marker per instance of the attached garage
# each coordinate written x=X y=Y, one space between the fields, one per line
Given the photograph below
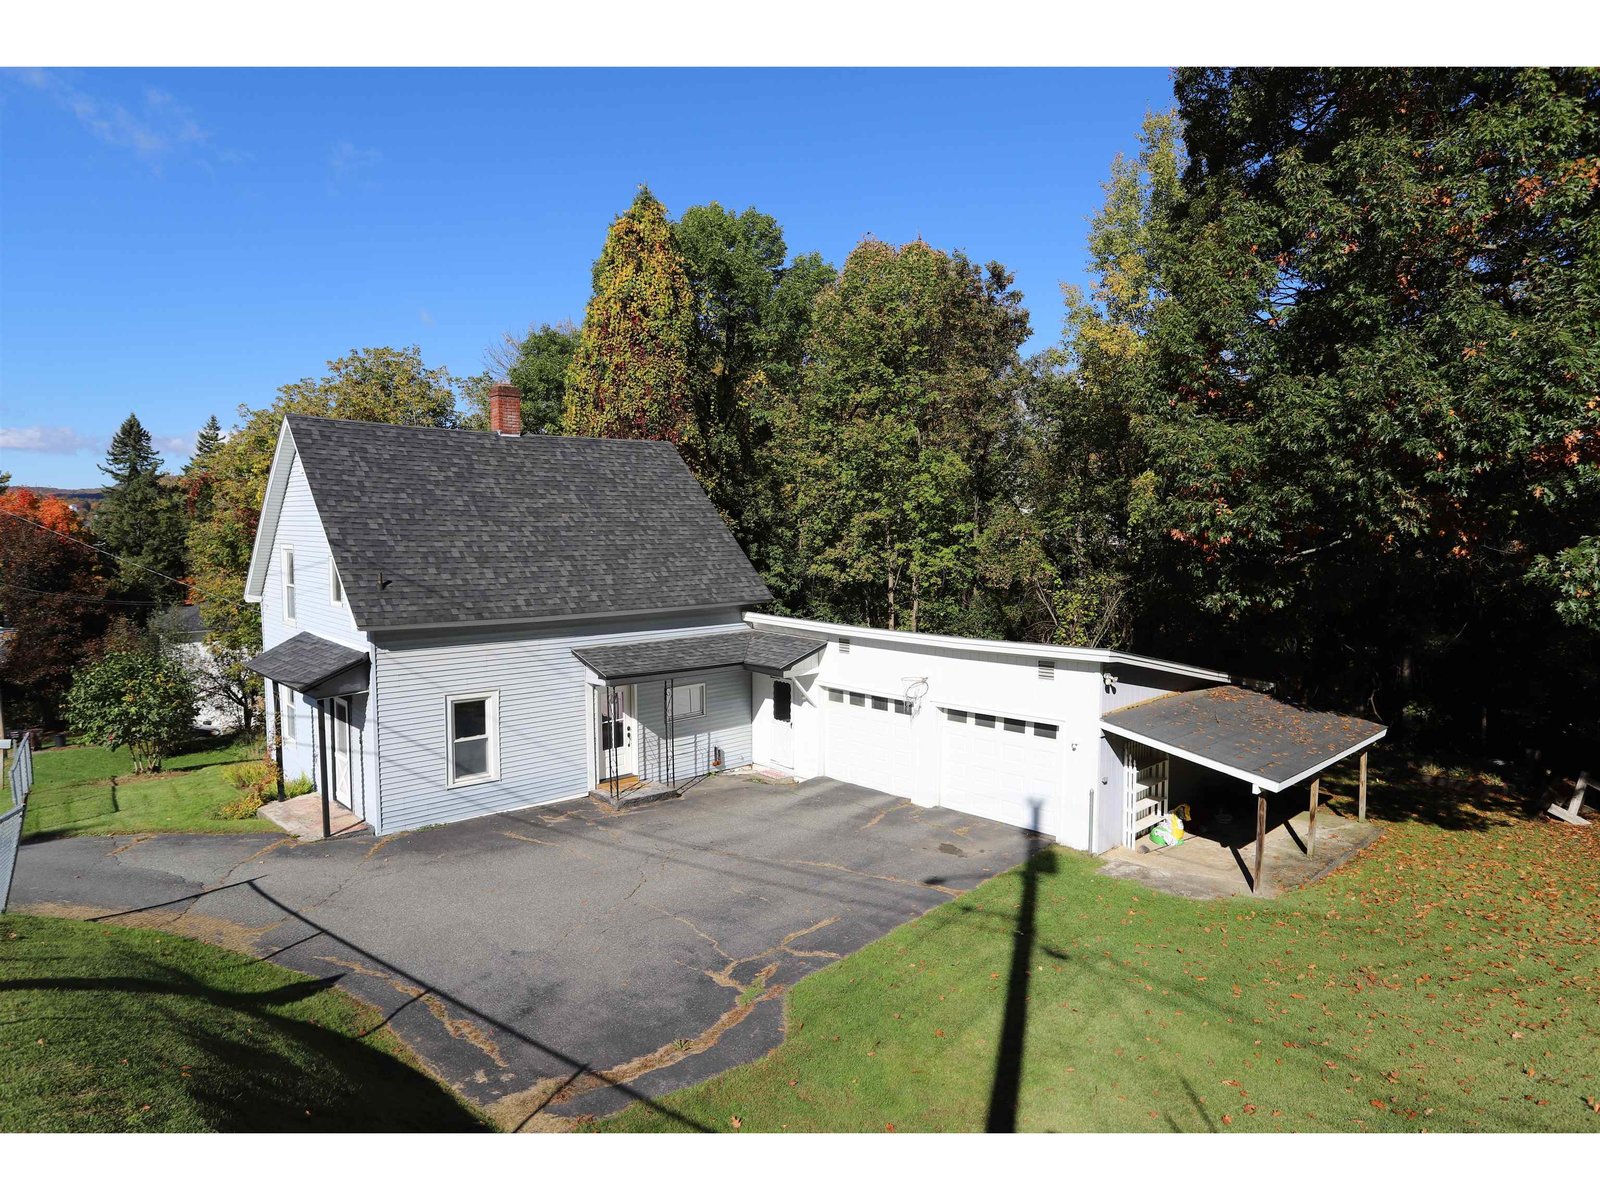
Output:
x=869 y=741
x=1004 y=768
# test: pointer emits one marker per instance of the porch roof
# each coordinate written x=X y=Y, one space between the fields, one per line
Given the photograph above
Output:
x=306 y=661
x=1244 y=734
x=769 y=653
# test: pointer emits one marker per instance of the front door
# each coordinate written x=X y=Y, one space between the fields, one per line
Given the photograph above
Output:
x=782 y=724
x=618 y=755
x=342 y=791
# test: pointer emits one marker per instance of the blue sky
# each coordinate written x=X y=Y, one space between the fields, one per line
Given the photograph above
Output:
x=177 y=243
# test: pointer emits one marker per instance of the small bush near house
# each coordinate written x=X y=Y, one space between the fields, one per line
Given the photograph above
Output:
x=136 y=698
x=300 y=785
x=242 y=809
x=256 y=780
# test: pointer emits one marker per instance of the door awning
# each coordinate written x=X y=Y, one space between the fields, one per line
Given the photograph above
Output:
x=1244 y=734
x=314 y=665
x=768 y=653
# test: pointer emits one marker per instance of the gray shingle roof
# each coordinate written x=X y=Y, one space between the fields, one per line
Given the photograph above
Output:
x=304 y=661
x=770 y=652
x=440 y=526
x=1246 y=730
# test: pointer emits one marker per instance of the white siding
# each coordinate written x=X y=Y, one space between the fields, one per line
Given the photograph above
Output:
x=300 y=526
x=545 y=748
x=725 y=726
x=963 y=676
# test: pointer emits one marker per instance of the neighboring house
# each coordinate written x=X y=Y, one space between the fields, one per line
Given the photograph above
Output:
x=186 y=638
x=459 y=623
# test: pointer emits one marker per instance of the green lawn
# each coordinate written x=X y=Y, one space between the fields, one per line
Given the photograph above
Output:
x=1448 y=979
x=89 y=789
x=111 y=1029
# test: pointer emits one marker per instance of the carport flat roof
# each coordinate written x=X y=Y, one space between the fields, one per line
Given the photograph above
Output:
x=770 y=653
x=1243 y=733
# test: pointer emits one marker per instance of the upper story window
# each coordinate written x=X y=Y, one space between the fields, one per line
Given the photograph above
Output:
x=288 y=584
x=335 y=587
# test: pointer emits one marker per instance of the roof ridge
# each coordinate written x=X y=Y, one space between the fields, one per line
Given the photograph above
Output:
x=524 y=437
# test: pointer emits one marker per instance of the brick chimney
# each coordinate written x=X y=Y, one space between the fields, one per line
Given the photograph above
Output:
x=505 y=409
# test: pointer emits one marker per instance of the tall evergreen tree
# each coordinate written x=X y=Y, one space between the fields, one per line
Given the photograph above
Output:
x=629 y=376
x=197 y=472
x=207 y=440
x=141 y=521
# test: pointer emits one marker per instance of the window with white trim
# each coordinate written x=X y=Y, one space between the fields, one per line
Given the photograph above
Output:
x=688 y=700
x=335 y=587
x=472 y=738
x=288 y=584
x=288 y=718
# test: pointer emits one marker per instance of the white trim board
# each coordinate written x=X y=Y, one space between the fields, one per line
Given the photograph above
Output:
x=1260 y=781
x=1032 y=651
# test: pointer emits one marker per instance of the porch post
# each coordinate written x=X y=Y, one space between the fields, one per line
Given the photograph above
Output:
x=322 y=753
x=1261 y=833
x=1361 y=802
x=1311 y=823
x=277 y=732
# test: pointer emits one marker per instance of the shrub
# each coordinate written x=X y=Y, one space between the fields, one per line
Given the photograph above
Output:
x=300 y=785
x=242 y=809
x=136 y=698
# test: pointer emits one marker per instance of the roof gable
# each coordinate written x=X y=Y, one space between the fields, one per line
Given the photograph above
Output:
x=447 y=527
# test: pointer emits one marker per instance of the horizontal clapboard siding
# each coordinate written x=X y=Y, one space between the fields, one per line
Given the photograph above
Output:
x=300 y=526
x=725 y=725
x=544 y=745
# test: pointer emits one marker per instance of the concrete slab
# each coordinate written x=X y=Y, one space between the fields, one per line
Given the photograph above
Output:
x=562 y=960
x=301 y=817
x=1207 y=868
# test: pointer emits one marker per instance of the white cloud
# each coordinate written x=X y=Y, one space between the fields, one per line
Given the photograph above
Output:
x=47 y=439
x=181 y=446
x=155 y=129
x=349 y=163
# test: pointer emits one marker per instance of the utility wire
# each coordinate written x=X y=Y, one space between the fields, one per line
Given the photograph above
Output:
x=86 y=597
x=102 y=550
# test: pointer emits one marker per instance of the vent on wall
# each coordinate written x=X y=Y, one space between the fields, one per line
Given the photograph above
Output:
x=1047 y=669
x=844 y=645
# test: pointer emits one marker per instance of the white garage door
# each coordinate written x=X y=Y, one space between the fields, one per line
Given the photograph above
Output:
x=1001 y=768
x=869 y=741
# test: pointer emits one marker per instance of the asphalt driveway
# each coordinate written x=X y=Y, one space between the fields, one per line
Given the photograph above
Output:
x=564 y=960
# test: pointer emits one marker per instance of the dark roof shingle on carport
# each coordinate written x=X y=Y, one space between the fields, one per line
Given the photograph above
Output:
x=1244 y=733
x=770 y=653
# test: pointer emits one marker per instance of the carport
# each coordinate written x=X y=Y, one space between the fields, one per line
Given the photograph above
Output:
x=1237 y=733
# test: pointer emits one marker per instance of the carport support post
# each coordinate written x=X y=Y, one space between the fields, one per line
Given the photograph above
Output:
x=322 y=752
x=1311 y=822
x=277 y=732
x=1261 y=833
x=1361 y=796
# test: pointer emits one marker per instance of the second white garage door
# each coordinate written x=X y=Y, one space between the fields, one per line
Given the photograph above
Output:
x=869 y=741
x=1002 y=768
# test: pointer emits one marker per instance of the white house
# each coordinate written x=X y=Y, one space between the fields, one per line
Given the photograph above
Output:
x=459 y=623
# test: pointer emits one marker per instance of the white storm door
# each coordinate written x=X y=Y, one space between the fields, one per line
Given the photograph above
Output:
x=618 y=732
x=343 y=792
